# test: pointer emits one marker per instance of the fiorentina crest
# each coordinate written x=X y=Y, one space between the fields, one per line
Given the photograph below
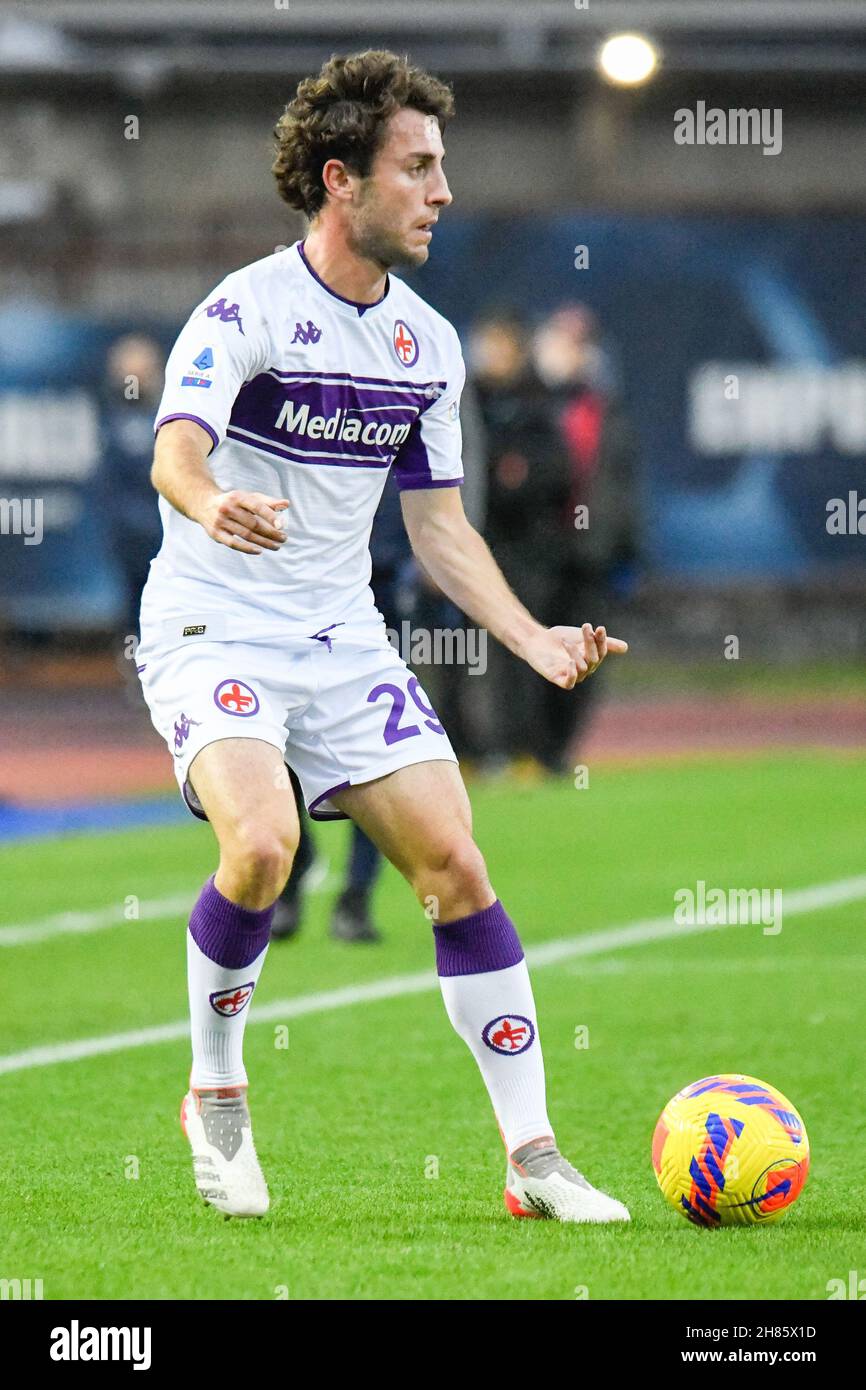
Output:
x=236 y=697
x=405 y=343
x=228 y=1002
x=509 y=1034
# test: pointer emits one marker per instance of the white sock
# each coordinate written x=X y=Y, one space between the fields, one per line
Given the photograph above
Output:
x=218 y=1008
x=226 y=949
x=494 y=1012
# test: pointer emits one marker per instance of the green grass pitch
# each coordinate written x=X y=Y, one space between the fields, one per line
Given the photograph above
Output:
x=375 y=1133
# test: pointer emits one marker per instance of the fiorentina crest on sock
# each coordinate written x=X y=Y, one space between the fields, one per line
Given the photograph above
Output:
x=228 y=1002
x=509 y=1034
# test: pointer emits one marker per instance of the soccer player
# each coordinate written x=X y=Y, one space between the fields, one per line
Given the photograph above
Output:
x=292 y=390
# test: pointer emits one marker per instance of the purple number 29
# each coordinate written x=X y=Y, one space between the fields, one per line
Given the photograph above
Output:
x=393 y=733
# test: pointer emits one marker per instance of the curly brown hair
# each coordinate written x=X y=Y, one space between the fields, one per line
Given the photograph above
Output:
x=342 y=114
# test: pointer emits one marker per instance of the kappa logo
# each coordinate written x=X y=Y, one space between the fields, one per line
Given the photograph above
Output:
x=235 y=697
x=405 y=344
x=226 y=313
x=310 y=334
x=509 y=1034
x=182 y=726
x=228 y=1002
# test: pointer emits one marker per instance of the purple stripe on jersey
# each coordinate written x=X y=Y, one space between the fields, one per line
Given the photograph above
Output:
x=329 y=418
x=294 y=456
x=305 y=455
x=196 y=419
x=269 y=392
x=228 y=934
x=355 y=303
x=484 y=941
x=410 y=484
x=352 y=379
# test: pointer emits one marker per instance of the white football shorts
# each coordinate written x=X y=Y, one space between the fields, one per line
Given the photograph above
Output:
x=341 y=706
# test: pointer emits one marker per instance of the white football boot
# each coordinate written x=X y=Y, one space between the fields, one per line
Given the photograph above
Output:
x=224 y=1162
x=541 y=1183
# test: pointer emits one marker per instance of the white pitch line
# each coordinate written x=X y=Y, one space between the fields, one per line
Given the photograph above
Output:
x=29 y=933
x=97 y=919
x=795 y=903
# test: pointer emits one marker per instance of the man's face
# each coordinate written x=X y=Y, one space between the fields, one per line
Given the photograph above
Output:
x=391 y=219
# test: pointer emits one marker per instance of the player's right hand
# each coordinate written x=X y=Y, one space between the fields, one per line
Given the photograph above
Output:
x=565 y=656
x=246 y=521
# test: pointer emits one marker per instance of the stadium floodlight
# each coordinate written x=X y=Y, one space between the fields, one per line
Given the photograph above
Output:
x=627 y=59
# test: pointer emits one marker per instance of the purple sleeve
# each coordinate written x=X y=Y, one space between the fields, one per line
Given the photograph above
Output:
x=432 y=453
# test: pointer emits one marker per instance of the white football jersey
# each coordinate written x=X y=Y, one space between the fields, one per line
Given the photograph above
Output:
x=311 y=397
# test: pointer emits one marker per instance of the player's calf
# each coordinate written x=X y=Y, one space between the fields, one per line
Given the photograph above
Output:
x=226 y=949
x=242 y=788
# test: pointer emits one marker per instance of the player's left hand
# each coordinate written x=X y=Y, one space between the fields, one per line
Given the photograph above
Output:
x=567 y=655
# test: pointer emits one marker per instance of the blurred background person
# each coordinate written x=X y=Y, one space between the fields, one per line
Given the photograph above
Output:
x=528 y=489
x=130 y=395
x=599 y=521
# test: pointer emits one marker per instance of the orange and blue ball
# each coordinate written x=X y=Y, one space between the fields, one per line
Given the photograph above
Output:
x=730 y=1150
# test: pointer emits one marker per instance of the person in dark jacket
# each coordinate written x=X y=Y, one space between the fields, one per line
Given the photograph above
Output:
x=528 y=486
x=599 y=519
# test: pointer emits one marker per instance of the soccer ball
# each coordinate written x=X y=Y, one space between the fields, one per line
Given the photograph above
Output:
x=730 y=1151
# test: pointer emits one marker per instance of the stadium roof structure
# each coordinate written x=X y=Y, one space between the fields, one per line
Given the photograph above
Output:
x=177 y=37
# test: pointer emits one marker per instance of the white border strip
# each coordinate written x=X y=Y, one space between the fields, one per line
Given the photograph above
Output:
x=798 y=901
x=316 y=880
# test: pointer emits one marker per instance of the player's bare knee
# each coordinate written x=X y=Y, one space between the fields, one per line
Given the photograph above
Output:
x=262 y=855
x=457 y=874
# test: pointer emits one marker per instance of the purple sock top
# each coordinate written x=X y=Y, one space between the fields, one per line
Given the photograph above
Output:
x=226 y=933
x=473 y=945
